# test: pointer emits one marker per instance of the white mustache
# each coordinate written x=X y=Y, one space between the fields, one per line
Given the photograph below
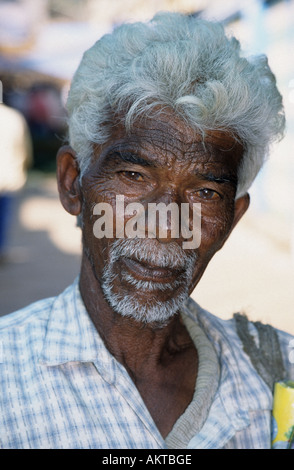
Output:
x=169 y=255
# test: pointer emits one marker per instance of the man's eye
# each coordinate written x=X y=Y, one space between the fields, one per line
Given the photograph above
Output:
x=208 y=194
x=132 y=175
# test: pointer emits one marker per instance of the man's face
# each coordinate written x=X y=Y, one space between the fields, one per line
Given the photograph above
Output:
x=161 y=160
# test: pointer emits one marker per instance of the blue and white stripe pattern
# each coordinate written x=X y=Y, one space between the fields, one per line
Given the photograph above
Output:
x=62 y=389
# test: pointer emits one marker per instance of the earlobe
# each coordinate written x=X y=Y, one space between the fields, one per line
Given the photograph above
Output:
x=68 y=180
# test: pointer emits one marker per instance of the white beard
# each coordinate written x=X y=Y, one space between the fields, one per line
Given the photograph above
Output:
x=162 y=255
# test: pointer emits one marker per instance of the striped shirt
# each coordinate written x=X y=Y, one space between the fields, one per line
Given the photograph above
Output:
x=62 y=389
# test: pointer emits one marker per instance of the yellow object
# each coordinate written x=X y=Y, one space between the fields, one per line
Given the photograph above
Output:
x=283 y=415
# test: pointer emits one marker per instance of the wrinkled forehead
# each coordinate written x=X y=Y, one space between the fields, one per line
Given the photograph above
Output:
x=166 y=135
x=177 y=127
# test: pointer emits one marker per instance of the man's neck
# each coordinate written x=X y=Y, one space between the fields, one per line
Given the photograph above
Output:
x=134 y=344
x=162 y=362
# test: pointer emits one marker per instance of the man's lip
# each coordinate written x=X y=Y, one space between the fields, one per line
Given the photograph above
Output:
x=150 y=272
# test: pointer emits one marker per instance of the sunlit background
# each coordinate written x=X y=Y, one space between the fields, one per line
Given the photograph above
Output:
x=41 y=44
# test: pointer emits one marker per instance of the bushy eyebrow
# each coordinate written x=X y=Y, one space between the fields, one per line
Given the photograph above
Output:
x=130 y=157
x=135 y=159
x=226 y=178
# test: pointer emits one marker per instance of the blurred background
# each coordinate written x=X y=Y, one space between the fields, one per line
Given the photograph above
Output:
x=41 y=44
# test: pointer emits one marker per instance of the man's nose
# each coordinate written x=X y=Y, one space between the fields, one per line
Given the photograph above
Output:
x=163 y=216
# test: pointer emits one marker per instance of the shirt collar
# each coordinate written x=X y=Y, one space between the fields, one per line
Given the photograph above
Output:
x=239 y=379
x=72 y=337
x=241 y=390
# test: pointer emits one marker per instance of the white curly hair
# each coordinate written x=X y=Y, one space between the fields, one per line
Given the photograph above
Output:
x=182 y=63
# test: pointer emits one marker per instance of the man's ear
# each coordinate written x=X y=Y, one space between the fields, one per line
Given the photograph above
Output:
x=68 y=180
x=241 y=206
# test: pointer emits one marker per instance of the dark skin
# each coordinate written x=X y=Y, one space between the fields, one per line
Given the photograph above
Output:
x=161 y=160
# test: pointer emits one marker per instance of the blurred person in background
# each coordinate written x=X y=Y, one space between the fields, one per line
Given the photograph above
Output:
x=15 y=158
x=46 y=120
x=164 y=112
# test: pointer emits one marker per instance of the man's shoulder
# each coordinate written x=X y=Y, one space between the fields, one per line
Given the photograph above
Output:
x=36 y=312
x=230 y=325
x=21 y=335
x=248 y=338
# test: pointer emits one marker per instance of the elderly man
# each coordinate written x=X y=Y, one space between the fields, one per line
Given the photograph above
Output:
x=169 y=114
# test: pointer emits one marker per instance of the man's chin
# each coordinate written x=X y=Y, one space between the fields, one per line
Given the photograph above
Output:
x=144 y=305
x=147 y=282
